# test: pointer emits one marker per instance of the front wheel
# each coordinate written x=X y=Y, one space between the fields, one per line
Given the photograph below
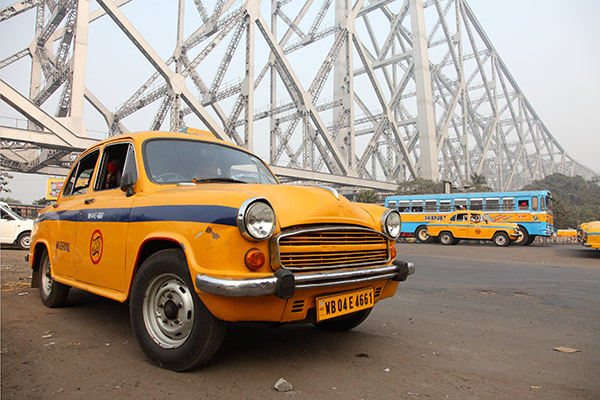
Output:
x=344 y=323
x=53 y=294
x=523 y=239
x=422 y=234
x=170 y=322
x=501 y=239
x=24 y=240
x=446 y=238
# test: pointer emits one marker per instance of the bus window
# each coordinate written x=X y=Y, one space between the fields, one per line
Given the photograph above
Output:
x=492 y=204
x=417 y=206
x=508 y=203
x=542 y=203
x=392 y=204
x=430 y=205
x=549 y=205
x=476 y=204
x=523 y=204
x=445 y=205
x=460 y=204
x=534 y=203
x=404 y=206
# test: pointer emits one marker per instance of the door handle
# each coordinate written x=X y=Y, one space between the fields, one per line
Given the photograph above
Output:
x=89 y=201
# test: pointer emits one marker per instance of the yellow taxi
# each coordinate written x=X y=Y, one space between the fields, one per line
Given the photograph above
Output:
x=588 y=234
x=475 y=225
x=193 y=232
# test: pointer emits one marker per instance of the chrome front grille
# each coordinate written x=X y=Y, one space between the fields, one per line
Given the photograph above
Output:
x=314 y=248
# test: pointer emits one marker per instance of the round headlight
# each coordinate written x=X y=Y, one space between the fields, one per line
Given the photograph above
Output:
x=258 y=220
x=392 y=223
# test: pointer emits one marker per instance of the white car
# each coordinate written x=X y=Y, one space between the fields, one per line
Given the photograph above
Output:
x=14 y=229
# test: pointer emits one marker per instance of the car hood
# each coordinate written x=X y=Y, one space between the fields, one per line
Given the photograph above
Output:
x=293 y=205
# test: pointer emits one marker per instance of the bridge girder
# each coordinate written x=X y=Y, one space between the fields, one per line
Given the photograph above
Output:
x=355 y=94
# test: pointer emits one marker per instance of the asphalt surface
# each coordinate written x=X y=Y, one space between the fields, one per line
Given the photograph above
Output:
x=473 y=322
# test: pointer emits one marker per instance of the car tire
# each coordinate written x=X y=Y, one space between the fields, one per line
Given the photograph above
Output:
x=345 y=322
x=446 y=238
x=171 y=324
x=501 y=239
x=24 y=240
x=53 y=294
x=422 y=235
x=523 y=239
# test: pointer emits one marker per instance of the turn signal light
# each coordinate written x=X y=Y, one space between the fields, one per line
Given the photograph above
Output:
x=393 y=252
x=255 y=259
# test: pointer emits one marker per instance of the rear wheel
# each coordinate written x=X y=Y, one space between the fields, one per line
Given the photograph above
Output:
x=345 y=322
x=501 y=239
x=53 y=294
x=422 y=234
x=170 y=322
x=530 y=240
x=24 y=240
x=446 y=238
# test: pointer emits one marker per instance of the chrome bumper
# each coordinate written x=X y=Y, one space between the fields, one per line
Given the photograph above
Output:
x=283 y=283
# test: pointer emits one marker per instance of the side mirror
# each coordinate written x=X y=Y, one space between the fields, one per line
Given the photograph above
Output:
x=130 y=175
x=127 y=181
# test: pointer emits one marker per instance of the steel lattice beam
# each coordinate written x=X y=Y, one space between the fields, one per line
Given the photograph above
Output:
x=340 y=91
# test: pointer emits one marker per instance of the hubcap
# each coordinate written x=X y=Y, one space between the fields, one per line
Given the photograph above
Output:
x=46 y=284
x=168 y=309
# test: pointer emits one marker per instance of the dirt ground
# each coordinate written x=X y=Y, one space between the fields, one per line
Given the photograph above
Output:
x=489 y=336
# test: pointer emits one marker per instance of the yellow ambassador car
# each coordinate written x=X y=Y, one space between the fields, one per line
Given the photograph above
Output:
x=193 y=232
x=588 y=234
x=474 y=225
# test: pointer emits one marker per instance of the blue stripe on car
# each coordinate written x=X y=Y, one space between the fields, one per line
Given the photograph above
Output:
x=183 y=213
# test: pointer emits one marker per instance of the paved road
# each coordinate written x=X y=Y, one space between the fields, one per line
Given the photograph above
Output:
x=474 y=322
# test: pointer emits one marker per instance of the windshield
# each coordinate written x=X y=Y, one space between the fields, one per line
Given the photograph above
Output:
x=180 y=160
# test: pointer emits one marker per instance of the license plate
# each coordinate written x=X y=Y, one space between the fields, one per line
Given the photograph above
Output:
x=344 y=303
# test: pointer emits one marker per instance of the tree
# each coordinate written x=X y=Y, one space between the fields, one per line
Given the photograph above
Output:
x=42 y=202
x=10 y=200
x=420 y=186
x=478 y=183
x=575 y=199
x=5 y=177
x=367 y=196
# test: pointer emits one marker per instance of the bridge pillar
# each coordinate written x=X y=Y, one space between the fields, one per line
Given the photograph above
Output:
x=428 y=159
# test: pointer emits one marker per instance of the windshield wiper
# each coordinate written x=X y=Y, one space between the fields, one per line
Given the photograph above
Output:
x=216 y=179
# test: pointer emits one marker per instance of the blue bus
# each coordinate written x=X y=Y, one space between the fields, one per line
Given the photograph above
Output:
x=531 y=210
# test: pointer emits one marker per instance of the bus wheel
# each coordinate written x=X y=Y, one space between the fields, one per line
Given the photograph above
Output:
x=501 y=239
x=530 y=240
x=446 y=238
x=422 y=235
x=523 y=237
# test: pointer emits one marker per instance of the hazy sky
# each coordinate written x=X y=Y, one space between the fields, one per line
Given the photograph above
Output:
x=551 y=48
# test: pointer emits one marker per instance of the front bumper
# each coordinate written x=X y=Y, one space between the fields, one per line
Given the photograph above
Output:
x=283 y=283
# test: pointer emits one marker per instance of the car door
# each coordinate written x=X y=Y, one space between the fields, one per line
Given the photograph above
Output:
x=8 y=227
x=102 y=230
x=67 y=213
x=477 y=228
x=461 y=225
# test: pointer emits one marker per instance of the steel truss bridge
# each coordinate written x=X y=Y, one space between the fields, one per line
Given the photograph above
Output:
x=356 y=93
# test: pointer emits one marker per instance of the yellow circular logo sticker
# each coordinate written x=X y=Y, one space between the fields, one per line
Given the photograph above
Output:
x=96 y=245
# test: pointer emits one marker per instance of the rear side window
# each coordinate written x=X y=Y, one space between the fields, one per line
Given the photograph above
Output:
x=534 y=203
x=81 y=175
